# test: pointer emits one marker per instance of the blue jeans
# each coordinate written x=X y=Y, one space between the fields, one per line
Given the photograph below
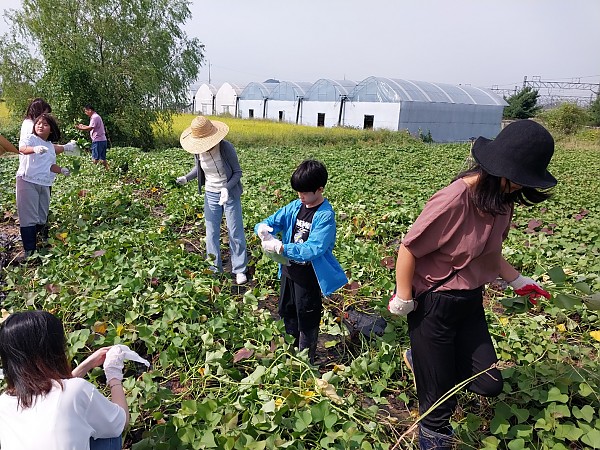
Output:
x=213 y=216
x=99 y=150
x=106 y=444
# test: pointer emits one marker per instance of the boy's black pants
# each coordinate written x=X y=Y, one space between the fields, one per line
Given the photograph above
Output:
x=450 y=343
x=300 y=307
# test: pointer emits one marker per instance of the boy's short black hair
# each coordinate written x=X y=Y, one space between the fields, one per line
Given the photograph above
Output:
x=309 y=176
x=89 y=107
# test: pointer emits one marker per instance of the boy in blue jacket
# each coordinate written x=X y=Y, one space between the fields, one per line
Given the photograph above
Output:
x=308 y=233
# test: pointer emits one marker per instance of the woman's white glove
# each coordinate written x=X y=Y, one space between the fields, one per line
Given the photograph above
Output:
x=181 y=180
x=526 y=287
x=65 y=171
x=224 y=196
x=400 y=306
x=114 y=362
x=272 y=246
x=264 y=232
x=39 y=149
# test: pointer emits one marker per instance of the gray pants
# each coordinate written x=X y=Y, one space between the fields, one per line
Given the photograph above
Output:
x=33 y=203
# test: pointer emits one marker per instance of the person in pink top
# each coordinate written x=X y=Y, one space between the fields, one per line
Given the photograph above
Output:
x=451 y=251
x=97 y=133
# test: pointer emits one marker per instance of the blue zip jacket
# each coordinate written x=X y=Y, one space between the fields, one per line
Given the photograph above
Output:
x=318 y=249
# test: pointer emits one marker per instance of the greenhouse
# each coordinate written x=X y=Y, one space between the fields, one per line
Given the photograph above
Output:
x=323 y=104
x=447 y=113
x=204 y=100
x=226 y=100
x=253 y=99
x=285 y=101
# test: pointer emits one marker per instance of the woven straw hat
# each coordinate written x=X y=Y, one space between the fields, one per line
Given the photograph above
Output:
x=203 y=135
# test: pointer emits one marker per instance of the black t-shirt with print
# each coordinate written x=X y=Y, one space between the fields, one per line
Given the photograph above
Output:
x=302 y=272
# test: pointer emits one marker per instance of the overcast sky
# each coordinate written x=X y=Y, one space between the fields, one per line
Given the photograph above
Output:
x=479 y=42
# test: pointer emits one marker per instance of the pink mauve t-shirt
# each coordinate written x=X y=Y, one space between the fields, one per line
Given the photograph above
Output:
x=452 y=234
x=97 y=133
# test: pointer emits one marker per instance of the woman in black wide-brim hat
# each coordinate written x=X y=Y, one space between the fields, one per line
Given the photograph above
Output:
x=452 y=250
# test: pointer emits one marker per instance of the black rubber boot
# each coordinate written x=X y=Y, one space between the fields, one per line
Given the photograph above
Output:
x=430 y=440
x=28 y=236
x=42 y=233
x=308 y=339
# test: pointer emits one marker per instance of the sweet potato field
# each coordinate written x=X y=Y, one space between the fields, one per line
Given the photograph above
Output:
x=126 y=265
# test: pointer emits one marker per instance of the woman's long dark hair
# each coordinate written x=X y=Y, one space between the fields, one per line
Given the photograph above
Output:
x=490 y=197
x=37 y=107
x=54 y=129
x=33 y=353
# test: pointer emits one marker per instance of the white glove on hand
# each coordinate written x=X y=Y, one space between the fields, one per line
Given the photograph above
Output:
x=400 y=307
x=181 y=180
x=224 y=196
x=526 y=287
x=272 y=246
x=70 y=148
x=39 y=149
x=114 y=362
x=65 y=171
x=264 y=232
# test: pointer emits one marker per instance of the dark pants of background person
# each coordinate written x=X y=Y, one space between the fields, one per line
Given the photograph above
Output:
x=300 y=309
x=450 y=343
x=106 y=443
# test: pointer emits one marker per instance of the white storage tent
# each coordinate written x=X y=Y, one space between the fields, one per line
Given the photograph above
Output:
x=252 y=103
x=449 y=112
x=204 y=100
x=226 y=100
x=324 y=102
x=285 y=101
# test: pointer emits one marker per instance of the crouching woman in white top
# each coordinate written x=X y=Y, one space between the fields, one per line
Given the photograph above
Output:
x=45 y=404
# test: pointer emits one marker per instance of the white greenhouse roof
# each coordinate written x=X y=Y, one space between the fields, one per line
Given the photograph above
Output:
x=330 y=90
x=210 y=87
x=257 y=91
x=388 y=90
x=289 y=90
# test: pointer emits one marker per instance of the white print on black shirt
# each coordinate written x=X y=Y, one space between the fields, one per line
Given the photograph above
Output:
x=302 y=231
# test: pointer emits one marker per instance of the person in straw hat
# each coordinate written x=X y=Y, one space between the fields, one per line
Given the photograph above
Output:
x=217 y=169
x=451 y=251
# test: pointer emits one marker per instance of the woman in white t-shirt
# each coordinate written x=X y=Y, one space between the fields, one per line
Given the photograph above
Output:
x=45 y=404
x=36 y=108
x=35 y=176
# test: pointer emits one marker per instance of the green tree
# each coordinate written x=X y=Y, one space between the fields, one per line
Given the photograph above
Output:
x=566 y=118
x=594 y=112
x=522 y=105
x=130 y=59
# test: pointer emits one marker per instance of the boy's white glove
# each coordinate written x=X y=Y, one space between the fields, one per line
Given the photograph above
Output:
x=39 y=149
x=114 y=362
x=224 y=196
x=70 y=148
x=264 y=232
x=181 y=180
x=65 y=171
x=272 y=246
x=400 y=306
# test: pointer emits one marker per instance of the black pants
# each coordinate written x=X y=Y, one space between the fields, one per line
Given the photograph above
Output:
x=300 y=307
x=450 y=343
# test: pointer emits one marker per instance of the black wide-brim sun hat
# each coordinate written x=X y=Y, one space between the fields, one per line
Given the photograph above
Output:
x=520 y=153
